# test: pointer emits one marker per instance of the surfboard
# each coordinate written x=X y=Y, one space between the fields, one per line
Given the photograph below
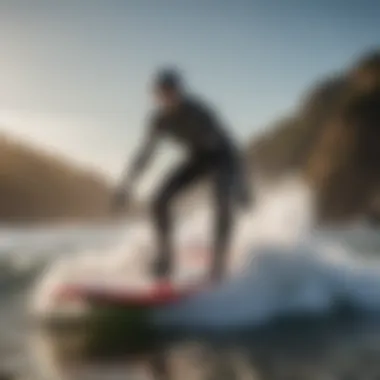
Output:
x=156 y=294
x=130 y=291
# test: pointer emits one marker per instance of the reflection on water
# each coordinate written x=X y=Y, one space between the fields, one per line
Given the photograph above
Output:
x=331 y=350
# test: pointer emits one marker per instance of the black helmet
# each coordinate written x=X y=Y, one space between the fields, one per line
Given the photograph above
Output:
x=168 y=79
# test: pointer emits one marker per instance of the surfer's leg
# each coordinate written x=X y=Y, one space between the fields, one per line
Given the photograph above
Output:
x=184 y=176
x=223 y=196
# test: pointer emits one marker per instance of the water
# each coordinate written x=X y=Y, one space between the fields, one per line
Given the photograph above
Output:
x=299 y=304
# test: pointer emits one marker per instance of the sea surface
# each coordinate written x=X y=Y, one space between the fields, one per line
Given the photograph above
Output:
x=301 y=303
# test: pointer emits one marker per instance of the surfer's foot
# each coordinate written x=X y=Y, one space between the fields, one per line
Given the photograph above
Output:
x=162 y=268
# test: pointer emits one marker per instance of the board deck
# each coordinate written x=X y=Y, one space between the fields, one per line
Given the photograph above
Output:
x=160 y=293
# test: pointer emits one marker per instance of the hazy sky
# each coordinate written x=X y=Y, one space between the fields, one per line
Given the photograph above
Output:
x=74 y=73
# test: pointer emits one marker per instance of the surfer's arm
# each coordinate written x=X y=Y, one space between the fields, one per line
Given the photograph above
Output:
x=142 y=158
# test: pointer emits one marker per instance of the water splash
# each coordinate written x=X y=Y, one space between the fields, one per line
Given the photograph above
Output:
x=280 y=266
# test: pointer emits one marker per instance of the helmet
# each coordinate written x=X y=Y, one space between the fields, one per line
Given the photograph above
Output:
x=168 y=79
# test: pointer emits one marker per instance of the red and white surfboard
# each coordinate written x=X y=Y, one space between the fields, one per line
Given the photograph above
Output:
x=149 y=292
x=158 y=293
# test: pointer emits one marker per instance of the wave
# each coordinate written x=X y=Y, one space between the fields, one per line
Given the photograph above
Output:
x=17 y=272
x=311 y=278
x=307 y=279
x=25 y=252
x=283 y=268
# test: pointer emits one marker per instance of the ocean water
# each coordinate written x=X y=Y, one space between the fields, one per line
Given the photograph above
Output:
x=298 y=303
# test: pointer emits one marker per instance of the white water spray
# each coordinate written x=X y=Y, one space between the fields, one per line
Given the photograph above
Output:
x=279 y=266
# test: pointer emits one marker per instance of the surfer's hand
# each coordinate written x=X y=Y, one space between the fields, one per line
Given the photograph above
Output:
x=120 y=200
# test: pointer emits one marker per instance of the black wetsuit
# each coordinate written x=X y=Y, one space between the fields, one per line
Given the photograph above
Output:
x=212 y=154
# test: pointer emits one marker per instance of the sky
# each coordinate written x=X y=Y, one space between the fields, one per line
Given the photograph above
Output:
x=75 y=74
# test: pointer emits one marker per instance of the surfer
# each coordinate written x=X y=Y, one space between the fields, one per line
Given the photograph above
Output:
x=212 y=154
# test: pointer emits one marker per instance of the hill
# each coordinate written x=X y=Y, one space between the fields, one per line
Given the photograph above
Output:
x=332 y=140
x=35 y=185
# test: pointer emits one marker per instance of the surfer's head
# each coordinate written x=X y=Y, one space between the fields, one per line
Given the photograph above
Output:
x=168 y=88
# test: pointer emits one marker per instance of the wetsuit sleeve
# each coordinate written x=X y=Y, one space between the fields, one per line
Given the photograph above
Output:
x=146 y=151
x=214 y=134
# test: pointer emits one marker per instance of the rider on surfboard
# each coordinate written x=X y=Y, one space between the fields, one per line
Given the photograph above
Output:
x=211 y=153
